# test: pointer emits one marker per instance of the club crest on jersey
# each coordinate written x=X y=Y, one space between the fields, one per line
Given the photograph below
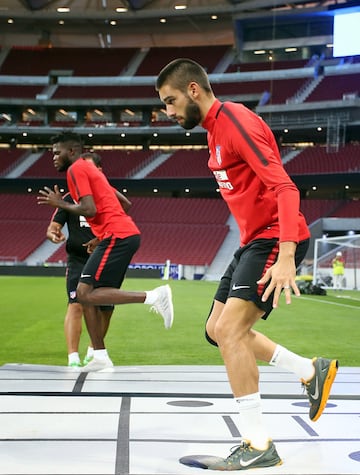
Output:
x=218 y=154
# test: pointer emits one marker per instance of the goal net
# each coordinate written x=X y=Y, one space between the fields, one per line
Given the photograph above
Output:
x=325 y=250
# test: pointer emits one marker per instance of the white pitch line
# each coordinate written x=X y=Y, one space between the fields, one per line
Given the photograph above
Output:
x=329 y=303
x=347 y=297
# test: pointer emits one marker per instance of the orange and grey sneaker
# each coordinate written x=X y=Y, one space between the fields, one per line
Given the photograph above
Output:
x=244 y=457
x=319 y=386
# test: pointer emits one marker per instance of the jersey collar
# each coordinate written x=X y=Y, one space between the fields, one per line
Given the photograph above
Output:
x=212 y=114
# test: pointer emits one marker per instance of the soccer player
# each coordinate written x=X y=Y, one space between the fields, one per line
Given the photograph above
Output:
x=118 y=238
x=79 y=234
x=246 y=164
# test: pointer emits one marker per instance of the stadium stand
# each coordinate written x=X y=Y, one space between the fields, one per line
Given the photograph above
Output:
x=186 y=231
x=119 y=163
x=279 y=89
x=156 y=58
x=22 y=225
x=193 y=163
x=43 y=167
x=333 y=88
x=317 y=160
x=8 y=159
x=22 y=207
x=103 y=92
x=59 y=255
x=266 y=65
x=37 y=61
x=179 y=210
x=181 y=243
x=190 y=231
x=113 y=62
x=314 y=209
x=124 y=163
x=350 y=209
x=184 y=163
x=23 y=91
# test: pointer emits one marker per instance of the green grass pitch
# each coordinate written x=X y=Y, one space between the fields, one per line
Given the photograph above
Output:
x=33 y=309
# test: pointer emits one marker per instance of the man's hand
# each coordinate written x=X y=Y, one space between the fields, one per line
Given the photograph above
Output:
x=55 y=236
x=91 y=245
x=50 y=197
x=281 y=275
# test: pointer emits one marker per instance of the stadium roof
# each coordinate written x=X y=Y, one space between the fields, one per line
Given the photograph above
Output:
x=192 y=19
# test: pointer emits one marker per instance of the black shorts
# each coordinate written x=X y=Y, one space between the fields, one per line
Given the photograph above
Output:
x=75 y=265
x=248 y=266
x=74 y=268
x=107 y=265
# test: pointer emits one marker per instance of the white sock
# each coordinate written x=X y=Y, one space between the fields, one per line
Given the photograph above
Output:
x=252 y=426
x=151 y=297
x=90 y=352
x=101 y=354
x=302 y=367
x=73 y=357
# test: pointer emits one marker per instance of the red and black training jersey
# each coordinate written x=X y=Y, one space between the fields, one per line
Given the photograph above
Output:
x=84 y=179
x=245 y=161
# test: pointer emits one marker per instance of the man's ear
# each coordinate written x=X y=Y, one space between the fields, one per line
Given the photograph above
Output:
x=193 y=90
x=71 y=151
x=74 y=151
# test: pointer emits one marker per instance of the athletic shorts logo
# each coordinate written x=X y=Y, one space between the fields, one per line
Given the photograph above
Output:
x=85 y=275
x=237 y=287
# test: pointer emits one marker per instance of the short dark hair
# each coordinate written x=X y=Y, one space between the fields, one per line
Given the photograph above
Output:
x=70 y=138
x=95 y=157
x=180 y=72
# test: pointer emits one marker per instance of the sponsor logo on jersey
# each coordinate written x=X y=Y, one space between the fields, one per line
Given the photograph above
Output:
x=223 y=180
x=83 y=223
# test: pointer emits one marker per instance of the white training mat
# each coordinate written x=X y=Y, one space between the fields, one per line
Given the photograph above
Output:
x=142 y=420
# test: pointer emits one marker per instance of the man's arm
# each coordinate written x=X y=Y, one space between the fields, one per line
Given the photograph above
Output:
x=125 y=203
x=86 y=207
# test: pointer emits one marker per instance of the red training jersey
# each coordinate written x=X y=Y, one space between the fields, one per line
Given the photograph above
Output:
x=246 y=163
x=83 y=179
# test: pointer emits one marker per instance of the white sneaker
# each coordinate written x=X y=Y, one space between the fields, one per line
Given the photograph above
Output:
x=97 y=364
x=163 y=305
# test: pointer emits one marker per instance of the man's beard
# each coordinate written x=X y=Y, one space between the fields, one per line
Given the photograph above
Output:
x=65 y=164
x=192 y=116
x=63 y=167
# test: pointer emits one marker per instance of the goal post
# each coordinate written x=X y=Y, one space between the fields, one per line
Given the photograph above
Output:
x=325 y=249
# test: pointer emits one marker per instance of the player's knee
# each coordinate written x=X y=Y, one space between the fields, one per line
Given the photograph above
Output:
x=83 y=293
x=75 y=310
x=227 y=332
